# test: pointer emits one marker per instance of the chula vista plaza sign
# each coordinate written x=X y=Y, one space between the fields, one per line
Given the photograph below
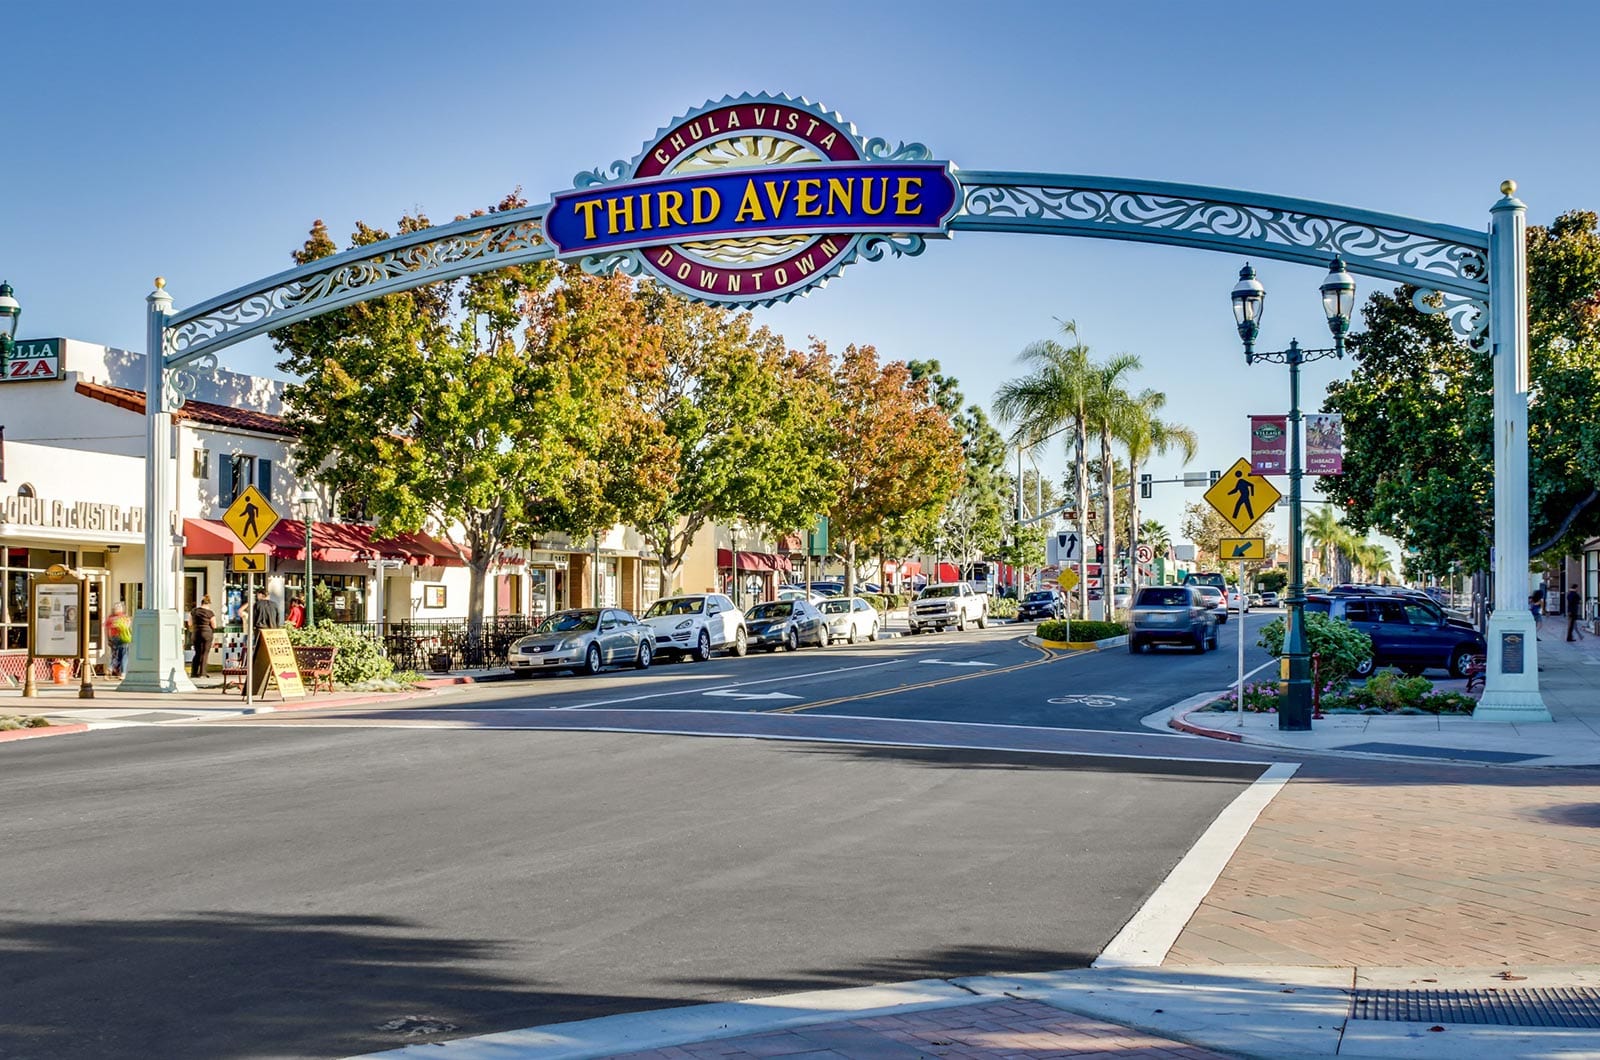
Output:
x=755 y=199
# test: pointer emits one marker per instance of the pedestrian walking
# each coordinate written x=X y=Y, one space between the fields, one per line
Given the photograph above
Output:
x=1536 y=605
x=1574 y=605
x=296 y=618
x=203 y=625
x=119 y=634
x=264 y=613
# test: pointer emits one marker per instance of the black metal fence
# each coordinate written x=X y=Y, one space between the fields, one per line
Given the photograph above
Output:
x=446 y=644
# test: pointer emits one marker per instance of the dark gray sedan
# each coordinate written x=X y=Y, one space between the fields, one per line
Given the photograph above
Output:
x=587 y=639
x=785 y=624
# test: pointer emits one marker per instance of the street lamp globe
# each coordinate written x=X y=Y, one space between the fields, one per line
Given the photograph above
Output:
x=306 y=499
x=10 y=312
x=1249 y=301
x=1338 y=301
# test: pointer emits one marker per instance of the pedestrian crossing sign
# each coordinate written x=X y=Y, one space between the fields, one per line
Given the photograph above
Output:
x=1241 y=496
x=250 y=517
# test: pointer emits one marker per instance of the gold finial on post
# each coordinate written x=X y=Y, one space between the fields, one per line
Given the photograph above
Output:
x=1508 y=187
x=161 y=281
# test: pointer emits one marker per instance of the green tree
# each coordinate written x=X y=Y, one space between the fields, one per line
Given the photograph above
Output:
x=426 y=411
x=1329 y=536
x=1205 y=526
x=1419 y=414
x=1054 y=397
x=974 y=522
x=1144 y=434
x=750 y=420
x=1108 y=413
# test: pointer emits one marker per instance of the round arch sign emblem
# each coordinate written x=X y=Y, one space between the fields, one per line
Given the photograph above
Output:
x=754 y=200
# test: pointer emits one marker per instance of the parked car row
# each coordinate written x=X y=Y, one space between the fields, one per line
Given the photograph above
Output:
x=696 y=626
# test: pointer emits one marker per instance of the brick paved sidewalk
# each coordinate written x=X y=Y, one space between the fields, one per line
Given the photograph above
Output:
x=988 y=1031
x=1409 y=865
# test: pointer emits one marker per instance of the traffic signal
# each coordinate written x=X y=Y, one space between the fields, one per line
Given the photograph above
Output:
x=1216 y=476
x=1099 y=553
x=1145 y=486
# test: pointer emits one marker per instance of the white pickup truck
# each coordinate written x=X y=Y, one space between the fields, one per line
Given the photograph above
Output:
x=948 y=604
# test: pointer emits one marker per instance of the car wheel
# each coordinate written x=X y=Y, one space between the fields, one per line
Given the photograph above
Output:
x=591 y=660
x=1199 y=644
x=914 y=630
x=872 y=634
x=1365 y=667
x=1458 y=661
x=851 y=639
x=1211 y=641
x=961 y=621
x=741 y=643
x=791 y=641
x=645 y=656
x=983 y=620
x=1135 y=646
x=702 y=647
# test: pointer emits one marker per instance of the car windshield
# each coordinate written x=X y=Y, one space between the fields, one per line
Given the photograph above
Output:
x=1210 y=591
x=1043 y=597
x=935 y=592
x=781 y=609
x=1169 y=597
x=835 y=607
x=677 y=605
x=1216 y=580
x=570 y=622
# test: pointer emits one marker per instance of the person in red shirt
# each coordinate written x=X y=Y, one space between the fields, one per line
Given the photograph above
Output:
x=297 y=614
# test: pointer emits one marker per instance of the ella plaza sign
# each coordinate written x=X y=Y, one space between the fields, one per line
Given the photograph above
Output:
x=33 y=359
x=753 y=201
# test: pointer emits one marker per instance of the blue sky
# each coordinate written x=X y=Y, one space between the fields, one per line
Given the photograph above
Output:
x=199 y=141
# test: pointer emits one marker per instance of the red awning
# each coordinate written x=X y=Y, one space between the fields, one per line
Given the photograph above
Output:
x=753 y=561
x=330 y=543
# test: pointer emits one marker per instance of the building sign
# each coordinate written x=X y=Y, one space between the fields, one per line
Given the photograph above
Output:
x=1324 y=444
x=71 y=515
x=754 y=200
x=33 y=359
x=1269 y=445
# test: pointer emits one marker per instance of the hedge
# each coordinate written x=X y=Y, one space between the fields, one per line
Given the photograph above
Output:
x=1078 y=631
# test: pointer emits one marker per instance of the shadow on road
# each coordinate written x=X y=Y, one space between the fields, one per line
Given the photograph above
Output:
x=82 y=988
x=944 y=963
x=1030 y=761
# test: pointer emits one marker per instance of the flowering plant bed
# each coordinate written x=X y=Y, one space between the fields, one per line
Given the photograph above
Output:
x=1383 y=693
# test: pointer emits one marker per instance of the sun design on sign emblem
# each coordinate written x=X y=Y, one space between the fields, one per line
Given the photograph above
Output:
x=745 y=133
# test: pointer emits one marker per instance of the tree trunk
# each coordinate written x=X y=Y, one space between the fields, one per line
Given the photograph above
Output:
x=1080 y=444
x=850 y=568
x=1133 y=525
x=1108 y=478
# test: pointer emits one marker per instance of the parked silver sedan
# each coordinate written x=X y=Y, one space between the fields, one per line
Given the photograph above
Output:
x=785 y=624
x=850 y=619
x=587 y=639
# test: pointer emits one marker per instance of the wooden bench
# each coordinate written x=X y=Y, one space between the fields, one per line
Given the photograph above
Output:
x=315 y=663
x=233 y=675
x=1474 y=668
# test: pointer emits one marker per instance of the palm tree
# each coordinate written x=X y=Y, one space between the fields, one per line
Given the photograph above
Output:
x=1146 y=434
x=1328 y=535
x=1108 y=410
x=1156 y=536
x=1054 y=397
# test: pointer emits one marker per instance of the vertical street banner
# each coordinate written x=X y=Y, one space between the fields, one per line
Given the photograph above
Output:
x=1269 y=445
x=1324 y=444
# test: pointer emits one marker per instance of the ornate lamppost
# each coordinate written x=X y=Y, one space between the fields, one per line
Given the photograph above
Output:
x=10 y=313
x=1338 y=303
x=306 y=501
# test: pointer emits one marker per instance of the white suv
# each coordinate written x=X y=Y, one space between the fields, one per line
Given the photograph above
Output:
x=948 y=604
x=696 y=625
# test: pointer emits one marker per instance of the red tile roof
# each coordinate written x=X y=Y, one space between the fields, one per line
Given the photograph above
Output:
x=195 y=411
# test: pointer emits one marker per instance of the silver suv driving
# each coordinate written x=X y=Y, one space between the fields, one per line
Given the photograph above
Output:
x=1172 y=614
x=948 y=604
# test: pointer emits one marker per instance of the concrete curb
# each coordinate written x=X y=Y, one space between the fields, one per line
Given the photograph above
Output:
x=1082 y=645
x=1182 y=723
x=48 y=730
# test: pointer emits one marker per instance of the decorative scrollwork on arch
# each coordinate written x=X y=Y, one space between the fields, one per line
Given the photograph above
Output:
x=626 y=262
x=1193 y=218
x=183 y=381
x=1469 y=317
x=874 y=246
x=300 y=295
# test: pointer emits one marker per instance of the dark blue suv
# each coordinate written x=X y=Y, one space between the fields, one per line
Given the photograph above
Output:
x=1411 y=633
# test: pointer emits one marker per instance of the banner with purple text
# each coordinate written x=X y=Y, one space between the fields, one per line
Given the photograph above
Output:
x=1324 y=444
x=1269 y=445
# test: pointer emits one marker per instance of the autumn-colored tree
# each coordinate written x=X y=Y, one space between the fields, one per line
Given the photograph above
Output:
x=752 y=423
x=898 y=452
x=1205 y=526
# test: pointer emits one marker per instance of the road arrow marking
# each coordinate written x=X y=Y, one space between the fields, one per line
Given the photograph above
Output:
x=941 y=662
x=730 y=694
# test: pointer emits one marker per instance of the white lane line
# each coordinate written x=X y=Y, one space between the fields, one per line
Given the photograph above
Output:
x=1144 y=941
x=942 y=662
x=726 y=693
x=730 y=686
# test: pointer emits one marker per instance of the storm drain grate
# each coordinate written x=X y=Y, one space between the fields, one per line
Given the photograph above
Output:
x=1577 y=1007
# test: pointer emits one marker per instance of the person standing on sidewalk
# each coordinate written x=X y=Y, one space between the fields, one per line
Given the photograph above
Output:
x=203 y=621
x=1536 y=605
x=1574 y=604
x=119 y=634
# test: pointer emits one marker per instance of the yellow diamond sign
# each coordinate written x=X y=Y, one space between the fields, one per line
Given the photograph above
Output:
x=250 y=517
x=1241 y=496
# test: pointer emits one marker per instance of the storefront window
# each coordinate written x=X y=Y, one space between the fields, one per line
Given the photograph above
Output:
x=344 y=594
x=17 y=565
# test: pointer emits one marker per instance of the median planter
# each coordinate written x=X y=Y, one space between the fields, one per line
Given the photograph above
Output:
x=1082 y=635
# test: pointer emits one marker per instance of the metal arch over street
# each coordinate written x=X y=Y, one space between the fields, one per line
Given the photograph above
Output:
x=1477 y=281
x=1432 y=257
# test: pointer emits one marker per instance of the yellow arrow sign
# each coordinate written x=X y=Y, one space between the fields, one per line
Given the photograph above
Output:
x=253 y=562
x=1242 y=548
x=250 y=517
x=1241 y=496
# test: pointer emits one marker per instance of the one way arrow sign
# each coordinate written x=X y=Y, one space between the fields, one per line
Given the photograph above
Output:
x=1066 y=547
x=728 y=693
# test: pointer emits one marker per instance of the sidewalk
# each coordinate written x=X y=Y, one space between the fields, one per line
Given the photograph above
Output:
x=1569 y=679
